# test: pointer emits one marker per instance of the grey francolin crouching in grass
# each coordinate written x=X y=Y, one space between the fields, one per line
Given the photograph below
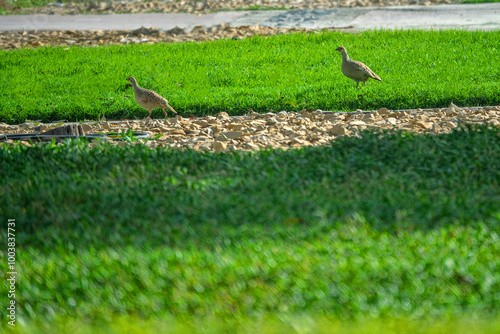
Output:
x=148 y=99
x=355 y=70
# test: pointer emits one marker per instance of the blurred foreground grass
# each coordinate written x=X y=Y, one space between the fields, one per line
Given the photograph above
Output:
x=377 y=227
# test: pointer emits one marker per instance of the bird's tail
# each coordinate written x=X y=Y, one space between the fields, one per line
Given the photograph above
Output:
x=376 y=77
x=171 y=109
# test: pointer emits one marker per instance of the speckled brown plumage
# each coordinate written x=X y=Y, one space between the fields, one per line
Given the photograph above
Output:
x=148 y=99
x=356 y=70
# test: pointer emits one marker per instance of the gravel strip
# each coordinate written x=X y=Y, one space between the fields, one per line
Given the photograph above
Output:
x=33 y=39
x=205 y=7
x=283 y=130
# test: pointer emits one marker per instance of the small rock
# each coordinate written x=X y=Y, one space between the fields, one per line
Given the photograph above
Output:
x=220 y=146
x=436 y=128
x=338 y=130
x=251 y=146
x=297 y=141
x=232 y=134
x=86 y=127
x=206 y=147
x=223 y=115
x=453 y=108
x=234 y=126
x=425 y=125
x=177 y=132
x=391 y=120
x=201 y=123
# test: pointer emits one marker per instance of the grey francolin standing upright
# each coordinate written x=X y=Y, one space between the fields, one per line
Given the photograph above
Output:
x=148 y=99
x=355 y=70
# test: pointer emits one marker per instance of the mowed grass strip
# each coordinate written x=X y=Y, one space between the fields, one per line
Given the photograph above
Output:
x=286 y=72
x=266 y=325
x=378 y=226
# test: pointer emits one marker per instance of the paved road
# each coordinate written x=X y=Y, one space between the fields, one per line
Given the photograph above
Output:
x=466 y=16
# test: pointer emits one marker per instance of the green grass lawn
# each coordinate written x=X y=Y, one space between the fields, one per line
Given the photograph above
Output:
x=370 y=228
x=418 y=69
x=372 y=234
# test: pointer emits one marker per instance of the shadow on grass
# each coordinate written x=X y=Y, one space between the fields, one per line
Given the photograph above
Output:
x=378 y=226
x=112 y=196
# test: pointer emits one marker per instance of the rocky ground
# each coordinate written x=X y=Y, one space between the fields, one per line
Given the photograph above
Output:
x=282 y=130
x=10 y=40
x=26 y=39
x=202 y=6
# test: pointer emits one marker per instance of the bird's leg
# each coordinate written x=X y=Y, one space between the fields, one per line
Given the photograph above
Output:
x=150 y=112
x=166 y=116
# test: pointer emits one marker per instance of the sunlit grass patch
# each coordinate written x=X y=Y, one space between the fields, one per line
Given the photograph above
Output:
x=286 y=72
